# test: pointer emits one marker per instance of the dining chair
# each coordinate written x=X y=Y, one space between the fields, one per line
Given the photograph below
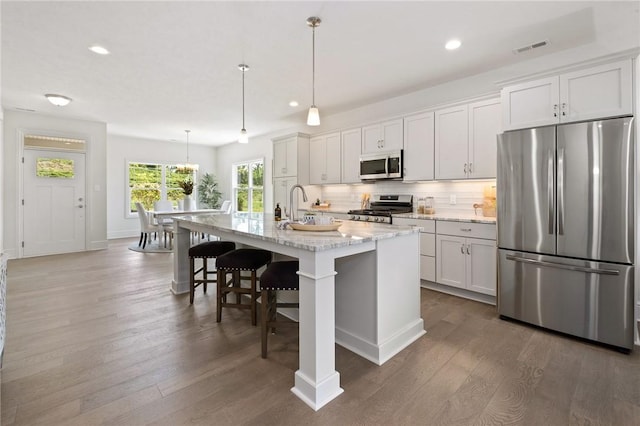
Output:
x=225 y=207
x=146 y=227
x=166 y=223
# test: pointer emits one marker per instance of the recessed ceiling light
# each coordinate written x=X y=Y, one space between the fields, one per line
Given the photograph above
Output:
x=58 y=100
x=453 y=44
x=293 y=103
x=99 y=50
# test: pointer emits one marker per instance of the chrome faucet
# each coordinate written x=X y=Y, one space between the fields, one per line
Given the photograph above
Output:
x=304 y=198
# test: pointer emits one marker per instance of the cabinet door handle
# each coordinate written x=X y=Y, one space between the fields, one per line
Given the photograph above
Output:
x=465 y=229
x=462 y=249
x=564 y=109
x=555 y=110
x=470 y=168
x=468 y=249
x=465 y=168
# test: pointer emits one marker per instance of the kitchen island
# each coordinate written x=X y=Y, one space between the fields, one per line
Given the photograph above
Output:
x=359 y=287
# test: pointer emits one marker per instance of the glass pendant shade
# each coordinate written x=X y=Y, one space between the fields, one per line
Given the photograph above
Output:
x=244 y=138
x=313 y=119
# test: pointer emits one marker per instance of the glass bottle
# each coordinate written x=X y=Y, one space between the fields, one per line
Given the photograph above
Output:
x=278 y=212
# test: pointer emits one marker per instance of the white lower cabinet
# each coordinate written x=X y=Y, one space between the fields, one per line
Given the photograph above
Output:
x=464 y=261
x=459 y=255
x=427 y=256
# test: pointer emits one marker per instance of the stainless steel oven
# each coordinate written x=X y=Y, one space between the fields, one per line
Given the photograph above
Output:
x=383 y=165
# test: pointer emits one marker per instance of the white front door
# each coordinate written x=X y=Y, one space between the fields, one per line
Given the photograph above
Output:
x=54 y=202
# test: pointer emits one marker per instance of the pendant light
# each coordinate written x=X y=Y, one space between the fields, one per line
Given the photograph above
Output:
x=244 y=138
x=187 y=168
x=313 y=118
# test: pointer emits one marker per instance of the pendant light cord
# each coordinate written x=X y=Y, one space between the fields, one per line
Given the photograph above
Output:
x=313 y=66
x=242 y=98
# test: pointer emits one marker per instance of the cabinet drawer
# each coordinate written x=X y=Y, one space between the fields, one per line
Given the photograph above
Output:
x=467 y=229
x=427 y=244
x=428 y=268
x=427 y=225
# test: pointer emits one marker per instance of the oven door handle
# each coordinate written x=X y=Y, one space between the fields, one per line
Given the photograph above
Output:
x=386 y=166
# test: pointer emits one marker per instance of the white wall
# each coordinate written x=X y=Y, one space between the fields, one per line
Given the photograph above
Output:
x=95 y=135
x=123 y=149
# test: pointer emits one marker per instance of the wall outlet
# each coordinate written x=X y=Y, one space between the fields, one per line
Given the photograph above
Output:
x=452 y=199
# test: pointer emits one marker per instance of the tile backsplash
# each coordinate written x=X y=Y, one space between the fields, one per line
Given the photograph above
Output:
x=347 y=197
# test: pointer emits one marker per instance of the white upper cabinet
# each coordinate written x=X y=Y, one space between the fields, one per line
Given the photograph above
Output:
x=291 y=157
x=419 y=147
x=485 y=122
x=386 y=136
x=596 y=92
x=351 y=150
x=465 y=140
x=285 y=157
x=530 y=104
x=324 y=159
x=451 y=142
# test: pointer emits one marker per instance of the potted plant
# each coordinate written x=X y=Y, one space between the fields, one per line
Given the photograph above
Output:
x=187 y=188
x=208 y=194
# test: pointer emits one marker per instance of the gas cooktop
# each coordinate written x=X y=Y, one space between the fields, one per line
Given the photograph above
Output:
x=382 y=207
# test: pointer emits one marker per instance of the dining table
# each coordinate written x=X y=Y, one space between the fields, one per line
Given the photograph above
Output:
x=359 y=287
x=160 y=217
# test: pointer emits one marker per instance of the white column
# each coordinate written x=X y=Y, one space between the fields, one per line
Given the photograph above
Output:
x=317 y=382
x=181 y=244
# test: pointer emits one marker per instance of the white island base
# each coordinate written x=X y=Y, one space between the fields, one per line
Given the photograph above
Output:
x=359 y=287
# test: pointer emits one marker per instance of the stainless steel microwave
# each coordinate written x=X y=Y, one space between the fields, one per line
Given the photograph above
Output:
x=382 y=165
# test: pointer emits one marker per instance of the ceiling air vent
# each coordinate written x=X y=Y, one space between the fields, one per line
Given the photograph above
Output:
x=530 y=46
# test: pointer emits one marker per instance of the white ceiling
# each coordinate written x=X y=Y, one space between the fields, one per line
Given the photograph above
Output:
x=173 y=65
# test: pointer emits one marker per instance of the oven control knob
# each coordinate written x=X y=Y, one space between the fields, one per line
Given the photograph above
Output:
x=377 y=219
x=367 y=218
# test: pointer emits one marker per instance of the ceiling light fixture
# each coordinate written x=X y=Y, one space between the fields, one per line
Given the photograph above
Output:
x=99 y=50
x=187 y=168
x=58 y=100
x=293 y=103
x=313 y=118
x=244 y=138
x=453 y=44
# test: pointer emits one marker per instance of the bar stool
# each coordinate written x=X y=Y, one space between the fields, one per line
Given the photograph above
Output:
x=234 y=262
x=204 y=251
x=278 y=276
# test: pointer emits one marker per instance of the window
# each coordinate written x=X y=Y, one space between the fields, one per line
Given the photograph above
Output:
x=148 y=182
x=55 y=168
x=248 y=186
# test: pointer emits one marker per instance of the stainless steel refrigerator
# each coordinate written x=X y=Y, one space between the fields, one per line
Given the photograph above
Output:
x=566 y=228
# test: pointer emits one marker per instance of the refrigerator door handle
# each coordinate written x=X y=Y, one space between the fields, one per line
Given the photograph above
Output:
x=561 y=191
x=563 y=266
x=550 y=190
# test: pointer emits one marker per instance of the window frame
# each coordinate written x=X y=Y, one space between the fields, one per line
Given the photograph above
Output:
x=129 y=214
x=250 y=187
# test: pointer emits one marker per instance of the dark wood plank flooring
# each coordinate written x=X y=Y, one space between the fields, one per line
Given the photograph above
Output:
x=98 y=338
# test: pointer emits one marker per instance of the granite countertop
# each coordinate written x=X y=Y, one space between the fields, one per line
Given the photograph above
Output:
x=264 y=227
x=448 y=216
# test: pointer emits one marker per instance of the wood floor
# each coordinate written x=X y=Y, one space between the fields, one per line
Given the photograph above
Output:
x=98 y=338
